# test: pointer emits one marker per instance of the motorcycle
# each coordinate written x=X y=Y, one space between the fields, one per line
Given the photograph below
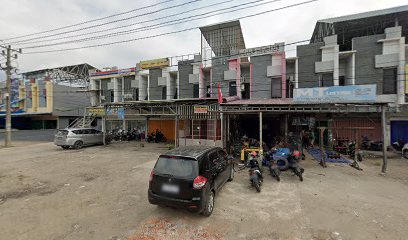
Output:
x=272 y=164
x=352 y=152
x=398 y=145
x=293 y=160
x=255 y=174
x=368 y=144
x=283 y=159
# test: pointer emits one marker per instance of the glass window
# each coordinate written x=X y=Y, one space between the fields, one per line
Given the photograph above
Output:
x=177 y=167
x=390 y=81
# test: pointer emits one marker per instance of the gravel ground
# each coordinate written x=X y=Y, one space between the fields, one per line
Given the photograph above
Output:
x=101 y=193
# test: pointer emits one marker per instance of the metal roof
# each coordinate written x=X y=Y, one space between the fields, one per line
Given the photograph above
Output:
x=223 y=37
x=56 y=68
x=366 y=14
x=362 y=24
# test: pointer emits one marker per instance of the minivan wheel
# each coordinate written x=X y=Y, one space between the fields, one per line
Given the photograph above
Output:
x=209 y=205
x=231 y=177
x=65 y=147
x=78 y=145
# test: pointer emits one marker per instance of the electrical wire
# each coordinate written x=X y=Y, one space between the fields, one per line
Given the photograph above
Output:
x=163 y=24
x=85 y=22
x=167 y=33
x=25 y=42
x=118 y=20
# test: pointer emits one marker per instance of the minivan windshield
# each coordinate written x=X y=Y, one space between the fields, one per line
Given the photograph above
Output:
x=176 y=167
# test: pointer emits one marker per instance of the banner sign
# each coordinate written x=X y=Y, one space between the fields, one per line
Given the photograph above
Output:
x=97 y=111
x=113 y=73
x=121 y=113
x=201 y=109
x=336 y=94
x=278 y=47
x=162 y=62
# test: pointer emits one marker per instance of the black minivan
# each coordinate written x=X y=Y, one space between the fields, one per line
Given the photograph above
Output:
x=190 y=177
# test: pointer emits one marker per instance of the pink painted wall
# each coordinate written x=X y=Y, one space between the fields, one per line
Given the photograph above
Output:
x=235 y=64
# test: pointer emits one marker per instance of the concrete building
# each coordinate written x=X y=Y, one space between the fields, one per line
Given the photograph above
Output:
x=347 y=75
x=50 y=98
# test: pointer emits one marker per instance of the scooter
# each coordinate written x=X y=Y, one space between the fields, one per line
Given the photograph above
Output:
x=255 y=174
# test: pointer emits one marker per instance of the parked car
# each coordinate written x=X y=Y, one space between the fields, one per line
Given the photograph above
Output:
x=405 y=151
x=78 y=137
x=190 y=177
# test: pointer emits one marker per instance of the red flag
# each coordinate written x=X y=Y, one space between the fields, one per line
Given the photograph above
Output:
x=219 y=94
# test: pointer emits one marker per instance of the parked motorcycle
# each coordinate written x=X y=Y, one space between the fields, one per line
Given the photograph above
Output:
x=156 y=137
x=368 y=144
x=272 y=164
x=294 y=165
x=352 y=152
x=255 y=172
x=398 y=145
x=283 y=159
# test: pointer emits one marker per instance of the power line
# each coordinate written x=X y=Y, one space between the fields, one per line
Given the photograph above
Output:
x=168 y=33
x=94 y=20
x=164 y=24
x=24 y=42
x=115 y=21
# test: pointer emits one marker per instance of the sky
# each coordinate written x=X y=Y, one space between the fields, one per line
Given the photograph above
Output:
x=22 y=17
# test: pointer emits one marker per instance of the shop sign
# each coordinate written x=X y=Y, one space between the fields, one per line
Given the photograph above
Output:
x=336 y=94
x=97 y=111
x=113 y=73
x=278 y=47
x=120 y=112
x=162 y=62
x=201 y=109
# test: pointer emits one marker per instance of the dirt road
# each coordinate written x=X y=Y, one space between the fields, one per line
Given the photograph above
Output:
x=101 y=193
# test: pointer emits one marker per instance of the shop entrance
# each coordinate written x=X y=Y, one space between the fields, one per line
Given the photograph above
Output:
x=247 y=126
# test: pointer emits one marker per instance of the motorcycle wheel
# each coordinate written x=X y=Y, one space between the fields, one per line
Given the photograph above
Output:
x=257 y=186
x=275 y=174
x=301 y=177
x=405 y=154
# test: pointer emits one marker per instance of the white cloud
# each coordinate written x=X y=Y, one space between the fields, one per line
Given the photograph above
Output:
x=25 y=16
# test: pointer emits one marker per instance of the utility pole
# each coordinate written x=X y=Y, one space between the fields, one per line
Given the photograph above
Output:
x=8 y=68
x=8 y=101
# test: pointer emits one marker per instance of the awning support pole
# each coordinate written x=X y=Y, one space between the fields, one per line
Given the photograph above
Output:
x=260 y=137
x=384 y=129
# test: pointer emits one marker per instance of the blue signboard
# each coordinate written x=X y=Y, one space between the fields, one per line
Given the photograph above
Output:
x=121 y=113
x=336 y=94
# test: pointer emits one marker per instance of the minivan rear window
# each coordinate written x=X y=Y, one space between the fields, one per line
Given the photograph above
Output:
x=176 y=167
